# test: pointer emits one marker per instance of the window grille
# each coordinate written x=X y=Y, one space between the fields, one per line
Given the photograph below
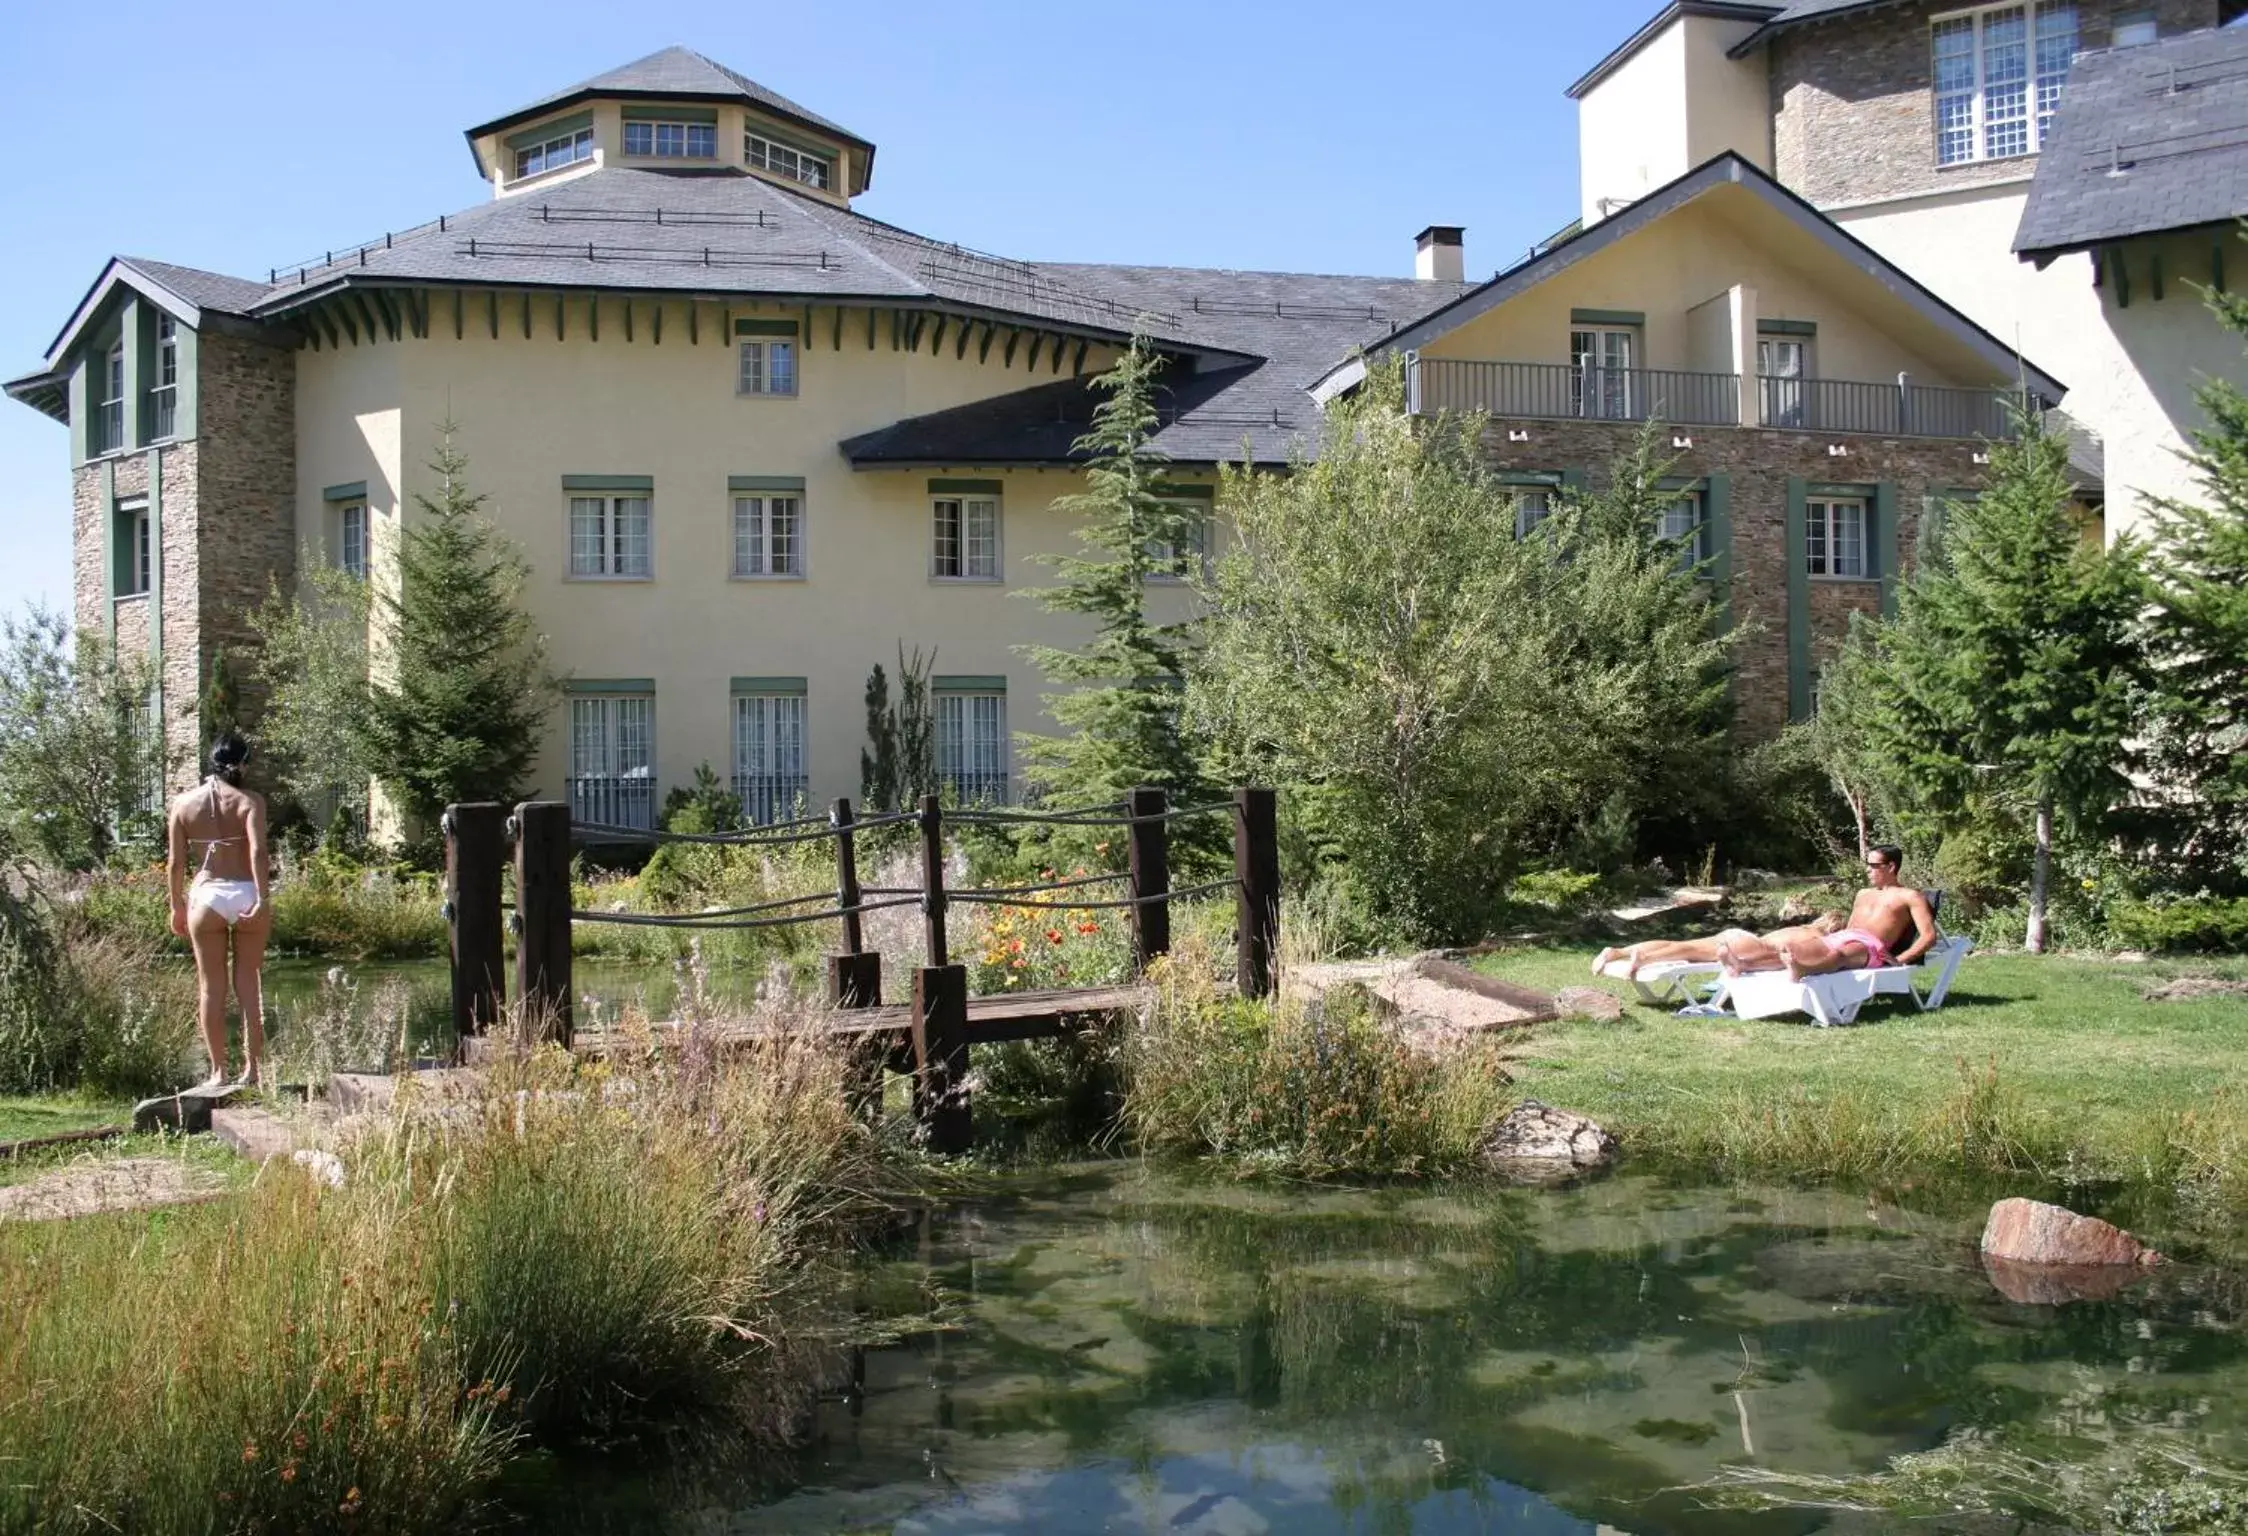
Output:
x=967 y=538
x=351 y=540
x=796 y=164
x=1531 y=507
x=1185 y=555
x=769 y=777
x=563 y=149
x=1998 y=78
x=610 y=536
x=1834 y=537
x=163 y=396
x=684 y=141
x=972 y=747
x=768 y=536
x=768 y=367
x=612 y=761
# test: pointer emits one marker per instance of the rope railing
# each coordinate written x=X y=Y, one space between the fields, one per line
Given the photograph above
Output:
x=803 y=829
x=1088 y=816
x=981 y=899
x=701 y=921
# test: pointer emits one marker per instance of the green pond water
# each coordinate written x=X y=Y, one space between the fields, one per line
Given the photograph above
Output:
x=1114 y=1349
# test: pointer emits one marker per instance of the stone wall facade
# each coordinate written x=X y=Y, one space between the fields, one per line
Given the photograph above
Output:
x=1758 y=464
x=227 y=528
x=1853 y=103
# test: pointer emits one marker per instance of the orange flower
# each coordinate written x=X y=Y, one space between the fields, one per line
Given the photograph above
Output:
x=1053 y=935
x=1018 y=964
x=249 y=1450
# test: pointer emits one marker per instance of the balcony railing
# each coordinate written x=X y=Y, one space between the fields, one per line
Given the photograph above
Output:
x=613 y=799
x=1899 y=409
x=1563 y=391
x=770 y=797
x=109 y=426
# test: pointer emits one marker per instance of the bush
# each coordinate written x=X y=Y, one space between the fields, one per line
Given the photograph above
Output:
x=2206 y=925
x=1310 y=1089
x=85 y=1009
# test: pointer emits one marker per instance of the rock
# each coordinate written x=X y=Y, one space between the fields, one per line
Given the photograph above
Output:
x=2186 y=989
x=1538 y=1133
x=1587 y=1003
x=323 y=1166
x=2032 y=1232
x=2052 y=1285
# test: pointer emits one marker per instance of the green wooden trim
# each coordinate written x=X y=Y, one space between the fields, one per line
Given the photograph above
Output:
x=764 y=328
x=764 y=482
x=1717 y=533
x=623 y=685
x=1883 y=544
x=105 y=489
x=1766 y=327
x=156 y=571
x=1182 y=490
x=81 y=410
x=609 y=483
x=1551 y=478
x=1573 y=481
x=964 y=683
x=1865 y=490
x=552 y=128
x=966 y=487
x=350 y=490
x=656 y=112
x=1798 y=604
x=1607 y=317
x=131 y=319
x=739 y=685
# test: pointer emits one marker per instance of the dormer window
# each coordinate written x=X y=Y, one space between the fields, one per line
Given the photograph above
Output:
x=565 y=148
x=670 y=140
x=795 y=164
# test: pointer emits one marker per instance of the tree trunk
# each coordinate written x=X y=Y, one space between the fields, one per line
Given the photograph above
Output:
x=2040 y=873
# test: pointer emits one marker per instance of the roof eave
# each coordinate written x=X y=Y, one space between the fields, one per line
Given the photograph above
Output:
x=1772 y=29
x=2045 y=255
x=47 y=392
x=1653 y=27
x=738 y=98
x=118 y=272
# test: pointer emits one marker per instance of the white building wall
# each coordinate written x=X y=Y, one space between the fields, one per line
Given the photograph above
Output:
x=1674 y=104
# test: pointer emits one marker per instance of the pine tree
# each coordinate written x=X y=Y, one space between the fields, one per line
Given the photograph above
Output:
x=2196 y=637
x=898 y=765
x=2008 y=669
x=1121 y=722
x=460 y=687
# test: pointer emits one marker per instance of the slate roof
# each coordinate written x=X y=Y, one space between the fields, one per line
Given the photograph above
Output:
x=1722 y=10
x=2147 y=139
x=673 y=73
x=204 y=290
x=1293 y=325
x=1801 y=11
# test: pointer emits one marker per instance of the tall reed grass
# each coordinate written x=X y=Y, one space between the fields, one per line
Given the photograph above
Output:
x=570 y=1253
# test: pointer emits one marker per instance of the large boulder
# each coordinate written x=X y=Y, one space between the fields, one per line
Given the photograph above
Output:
x=1537 y=1138
x=2032 y=1232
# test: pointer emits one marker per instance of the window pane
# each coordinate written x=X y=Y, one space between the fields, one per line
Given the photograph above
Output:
x=702 y=140
x=749 y=535
x=1849 y=538
x=1530 y=509
x=752 y=368
x=785 y=517
x=587 y=524
x=946 y=555
x=633 y=554
x=635 y=737
x=981 y=555
x=1815 y=538
x=588 y=737
x=780 y=367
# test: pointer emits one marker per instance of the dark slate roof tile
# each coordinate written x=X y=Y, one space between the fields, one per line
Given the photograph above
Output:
x=204 y=290
x=2147 y=139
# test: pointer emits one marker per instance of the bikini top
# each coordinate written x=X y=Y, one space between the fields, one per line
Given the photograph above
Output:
x=211 y=787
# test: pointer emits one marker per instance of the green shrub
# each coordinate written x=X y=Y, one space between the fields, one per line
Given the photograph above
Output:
x=1567 y=891
x=81 y=1008
x=2205 y=925
x=1311 y=1089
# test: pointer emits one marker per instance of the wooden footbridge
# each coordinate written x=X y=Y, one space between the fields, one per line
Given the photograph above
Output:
x=929 y=1035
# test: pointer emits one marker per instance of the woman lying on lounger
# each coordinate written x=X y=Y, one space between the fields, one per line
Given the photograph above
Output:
x=1735 y=946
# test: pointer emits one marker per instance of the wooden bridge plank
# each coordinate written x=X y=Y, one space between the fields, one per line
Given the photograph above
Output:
x=1012 y=1016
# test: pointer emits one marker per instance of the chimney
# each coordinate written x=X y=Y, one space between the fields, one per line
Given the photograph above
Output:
x=1438 y=256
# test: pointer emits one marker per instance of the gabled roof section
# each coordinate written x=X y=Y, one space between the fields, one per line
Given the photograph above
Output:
x=1727 y=169
x=2147 y=139
x=1653 y=28
x=183 y=292
x=674 y=74
x=1795 y=15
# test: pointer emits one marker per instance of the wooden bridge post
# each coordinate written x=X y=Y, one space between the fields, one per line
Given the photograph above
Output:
x=932 y=880
x=847 y=875
x=1256 y=869
x=940 y=1058
x=542 y=905
x=1149 y=842
x=854 y=978
x=475 y=848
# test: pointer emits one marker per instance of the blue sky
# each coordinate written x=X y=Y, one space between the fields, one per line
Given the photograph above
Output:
x=1300 y=135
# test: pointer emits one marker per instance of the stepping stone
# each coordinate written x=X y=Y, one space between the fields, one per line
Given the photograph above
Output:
x=187 y=1111
x=256 y=1133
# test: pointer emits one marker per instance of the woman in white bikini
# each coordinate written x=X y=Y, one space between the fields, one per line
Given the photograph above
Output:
x=225 y=901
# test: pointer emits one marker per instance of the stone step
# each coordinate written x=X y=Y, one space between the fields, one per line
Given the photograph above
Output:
x=188 y=1111
x=373 y=1093
x=257 y=1133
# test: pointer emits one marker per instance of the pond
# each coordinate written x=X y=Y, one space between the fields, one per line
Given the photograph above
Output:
x=1109 y=1348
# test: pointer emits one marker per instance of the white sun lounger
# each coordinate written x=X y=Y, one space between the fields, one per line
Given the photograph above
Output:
x=1834 y=997
x=1668 y=981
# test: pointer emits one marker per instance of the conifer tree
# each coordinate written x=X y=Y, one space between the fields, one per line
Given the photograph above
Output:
x=2196 y=637
x=2007 y=671
x=460 y=686
x=1121 y=723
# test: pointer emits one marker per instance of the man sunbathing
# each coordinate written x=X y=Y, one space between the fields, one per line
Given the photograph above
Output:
x=1882 y=916
x=1768 y=950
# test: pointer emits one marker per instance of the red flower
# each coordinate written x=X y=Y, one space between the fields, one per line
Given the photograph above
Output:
x=1053 y=935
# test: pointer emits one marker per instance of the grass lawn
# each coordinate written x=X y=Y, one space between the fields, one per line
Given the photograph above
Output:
x=22 y=1118
x=2056 y=1064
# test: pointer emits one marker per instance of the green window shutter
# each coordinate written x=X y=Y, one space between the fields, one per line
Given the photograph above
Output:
x=643 y=483
x=1798 y=605
x=1573 y=481
x=765 y=483
x=624 y=685
x=1883 y=544
x=641 y=113
x=553 y=128
x=183 y=403
x=757 y=685
x=967 y=684
x=1717 y=531
x=350 y=490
